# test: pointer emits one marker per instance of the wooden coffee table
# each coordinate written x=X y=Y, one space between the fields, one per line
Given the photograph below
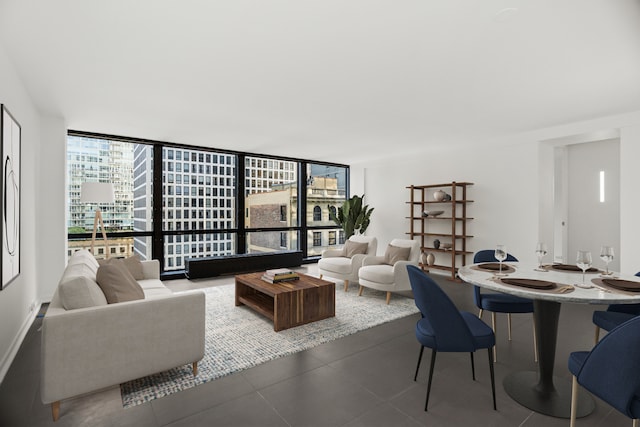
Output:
x=287 y=304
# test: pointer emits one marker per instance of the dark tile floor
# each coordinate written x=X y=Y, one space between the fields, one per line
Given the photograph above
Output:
x=365 y=379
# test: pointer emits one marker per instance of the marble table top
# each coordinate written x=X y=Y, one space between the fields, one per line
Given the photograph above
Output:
x=598 y=294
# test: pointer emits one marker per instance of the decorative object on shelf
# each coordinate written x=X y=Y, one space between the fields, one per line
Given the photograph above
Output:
x=431 y=259
x=436 y=244
x=353 y=216
x=438 y=195
x=432 y=213
x=447 y=197
x=446 y=246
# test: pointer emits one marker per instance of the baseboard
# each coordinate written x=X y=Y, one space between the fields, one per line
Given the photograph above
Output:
x=12 y=351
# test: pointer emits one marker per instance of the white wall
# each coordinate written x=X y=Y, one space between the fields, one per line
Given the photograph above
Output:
x=19 y=301
x=513 y=189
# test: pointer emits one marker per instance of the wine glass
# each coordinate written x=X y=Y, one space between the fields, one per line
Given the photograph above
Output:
x=501 y=255
x=583 y=261
x=606 y=254
x=541 y=251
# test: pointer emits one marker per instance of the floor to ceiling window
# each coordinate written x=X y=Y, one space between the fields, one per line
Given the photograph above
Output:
x=200 y=202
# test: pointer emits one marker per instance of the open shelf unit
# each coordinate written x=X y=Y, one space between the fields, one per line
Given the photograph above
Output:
x=450 y=227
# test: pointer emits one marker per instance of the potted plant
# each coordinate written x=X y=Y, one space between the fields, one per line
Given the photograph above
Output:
x=353 y=216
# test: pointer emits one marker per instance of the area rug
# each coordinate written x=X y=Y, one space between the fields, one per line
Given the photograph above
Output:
x=238 y=338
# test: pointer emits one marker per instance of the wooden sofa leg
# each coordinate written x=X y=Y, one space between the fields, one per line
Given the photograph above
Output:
x=360 y=291
x=194 y=368
x=388 y=297
x=346 y=285
x=55 y=410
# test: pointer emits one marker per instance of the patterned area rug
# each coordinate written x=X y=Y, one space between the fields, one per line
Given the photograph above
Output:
x=238 y=338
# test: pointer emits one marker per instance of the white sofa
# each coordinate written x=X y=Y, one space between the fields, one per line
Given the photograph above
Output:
x=88 y=344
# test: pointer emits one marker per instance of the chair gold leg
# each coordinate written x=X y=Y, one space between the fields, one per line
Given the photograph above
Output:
x=388 y=297
x=535 y=342
x=194 y=368
x=346 y=285
x=597 y=335
x=480 y=313
x=55 y=410
x=574 y=401
x=509 y=325
x=493 y=325
x=635 y=423
x=360 y=290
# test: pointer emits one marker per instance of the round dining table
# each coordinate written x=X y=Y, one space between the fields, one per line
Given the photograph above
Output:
x=549 y=287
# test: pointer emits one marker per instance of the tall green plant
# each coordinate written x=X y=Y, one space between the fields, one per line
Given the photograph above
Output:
x=353 y=216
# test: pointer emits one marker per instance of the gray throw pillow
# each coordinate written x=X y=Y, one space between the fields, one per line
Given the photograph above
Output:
x=351 y=248
x=132 y=264
x=394 y=254
x=117 y=284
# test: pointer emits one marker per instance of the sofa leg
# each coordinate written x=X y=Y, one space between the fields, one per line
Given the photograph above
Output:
x=346 y=285
x=55 y=410
x=320 y=276
x=194 y=368
x=388 y=297
x=360 y=291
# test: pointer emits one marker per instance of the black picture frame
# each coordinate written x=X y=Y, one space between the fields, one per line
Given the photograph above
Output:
x=10 y=182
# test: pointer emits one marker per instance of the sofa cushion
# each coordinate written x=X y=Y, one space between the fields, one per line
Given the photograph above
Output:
x=379 y=273
x=394 y=254
x=339 y=265
x=132 y=264
x=78 y=291
x=351 y=248
x=117 y=283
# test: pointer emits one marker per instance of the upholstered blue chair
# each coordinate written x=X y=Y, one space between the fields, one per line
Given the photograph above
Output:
x=501 y=303
x=610 y=370
x=444 y=328
x=616 y=314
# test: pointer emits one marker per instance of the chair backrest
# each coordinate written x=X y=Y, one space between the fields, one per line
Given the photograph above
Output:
x=487 y=255
x=414 y=255
x=611 y=372
x=626 y=308
x=371 y=241
x=450 y=330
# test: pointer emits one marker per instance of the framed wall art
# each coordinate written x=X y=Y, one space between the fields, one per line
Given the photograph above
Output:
x=10 y=202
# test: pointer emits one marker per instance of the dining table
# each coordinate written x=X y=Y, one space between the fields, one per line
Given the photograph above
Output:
x=549 y=286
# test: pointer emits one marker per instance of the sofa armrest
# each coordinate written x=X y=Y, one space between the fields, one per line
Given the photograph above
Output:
x=151 y=269
x=373 y=260
x=332 y=253
x=91 y=348
x=401 y=275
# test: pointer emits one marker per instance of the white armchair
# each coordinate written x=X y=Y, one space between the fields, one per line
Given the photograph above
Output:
x=389 y=272
x=344 y=263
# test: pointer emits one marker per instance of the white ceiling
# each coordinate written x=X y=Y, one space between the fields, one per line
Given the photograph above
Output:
x=333 y=80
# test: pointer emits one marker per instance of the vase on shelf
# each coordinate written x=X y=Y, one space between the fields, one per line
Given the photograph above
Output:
x=439 y=195
x=436 y=244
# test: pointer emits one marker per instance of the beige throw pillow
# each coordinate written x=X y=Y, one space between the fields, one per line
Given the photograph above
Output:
x=394 y=254
x=351 y=248
x=117 y=284
x=132 y=264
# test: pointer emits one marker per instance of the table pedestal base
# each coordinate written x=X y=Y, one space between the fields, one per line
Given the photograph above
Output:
x=524 y=388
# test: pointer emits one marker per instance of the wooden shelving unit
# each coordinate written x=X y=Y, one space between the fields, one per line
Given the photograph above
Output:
x=450 y=227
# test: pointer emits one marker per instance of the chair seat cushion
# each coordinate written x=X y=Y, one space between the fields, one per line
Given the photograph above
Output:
x=503 y=303
x=608 y=320
x=381 y=273
x=339 y=265
x=576 y=360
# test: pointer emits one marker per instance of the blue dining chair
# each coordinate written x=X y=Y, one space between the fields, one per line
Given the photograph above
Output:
x=444 y=328
x=610 y=370
x=616 y=314
x=501 y=303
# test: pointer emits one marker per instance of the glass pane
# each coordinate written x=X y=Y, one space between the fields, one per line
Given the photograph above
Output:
x=319 y=240
x=198 y=189
x=271 y=190
x=117 y=247
x=326 y=190
x=127 y=166
x=272 y=241
x=179 y=247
